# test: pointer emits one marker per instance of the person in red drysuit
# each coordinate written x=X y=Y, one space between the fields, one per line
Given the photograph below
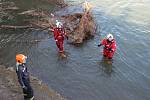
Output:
x=59 y=35
x=109 y=44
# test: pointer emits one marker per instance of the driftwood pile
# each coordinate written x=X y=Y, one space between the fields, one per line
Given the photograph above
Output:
x=79 y=26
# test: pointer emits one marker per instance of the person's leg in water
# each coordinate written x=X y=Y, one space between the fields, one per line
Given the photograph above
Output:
x=58 y=45
x=107 y=59
x=110 y=55
x=61 y=48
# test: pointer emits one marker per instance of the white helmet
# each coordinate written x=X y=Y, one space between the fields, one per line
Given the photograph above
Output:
x=109 y=37
x=58 y=24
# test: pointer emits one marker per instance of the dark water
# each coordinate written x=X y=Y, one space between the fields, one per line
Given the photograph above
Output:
x=83 y=75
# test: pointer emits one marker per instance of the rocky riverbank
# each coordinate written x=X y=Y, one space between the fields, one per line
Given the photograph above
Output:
x=11 y=90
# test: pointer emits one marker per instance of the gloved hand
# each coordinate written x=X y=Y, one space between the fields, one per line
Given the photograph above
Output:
x=110 y=50
x=99 y=45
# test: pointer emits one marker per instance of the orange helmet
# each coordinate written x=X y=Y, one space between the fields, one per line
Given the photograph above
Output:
x=20 y=58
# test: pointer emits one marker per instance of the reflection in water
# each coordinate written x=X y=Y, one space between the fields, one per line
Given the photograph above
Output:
x=106 y=65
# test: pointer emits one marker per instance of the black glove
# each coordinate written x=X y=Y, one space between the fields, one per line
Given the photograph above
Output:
x=99 y=45
x=110 y=50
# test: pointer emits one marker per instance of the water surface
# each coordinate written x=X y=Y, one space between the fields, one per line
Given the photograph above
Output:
x=83 y=75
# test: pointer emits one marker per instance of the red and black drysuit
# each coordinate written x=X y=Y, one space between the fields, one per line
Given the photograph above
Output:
x=109 y=47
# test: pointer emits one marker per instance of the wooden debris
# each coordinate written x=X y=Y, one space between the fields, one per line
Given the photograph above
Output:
x=34 y=13
x=27 y=12
x=11 y=8
x=14 y=27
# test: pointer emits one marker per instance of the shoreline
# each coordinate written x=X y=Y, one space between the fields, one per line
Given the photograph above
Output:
x=11 y=90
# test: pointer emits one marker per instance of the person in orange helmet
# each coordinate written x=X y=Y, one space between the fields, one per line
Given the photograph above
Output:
x=23 y=76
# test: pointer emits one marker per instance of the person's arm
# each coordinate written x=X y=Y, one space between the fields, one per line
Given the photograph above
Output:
x=102 y=42
x=55 y=34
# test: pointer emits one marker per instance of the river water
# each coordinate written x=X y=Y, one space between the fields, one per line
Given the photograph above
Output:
x=83 y=75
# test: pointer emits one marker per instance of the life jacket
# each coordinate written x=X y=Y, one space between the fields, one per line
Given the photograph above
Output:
x=109 y=44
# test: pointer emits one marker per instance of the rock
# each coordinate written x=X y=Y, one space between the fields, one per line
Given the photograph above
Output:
x=10 y=68
x=33 y=78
